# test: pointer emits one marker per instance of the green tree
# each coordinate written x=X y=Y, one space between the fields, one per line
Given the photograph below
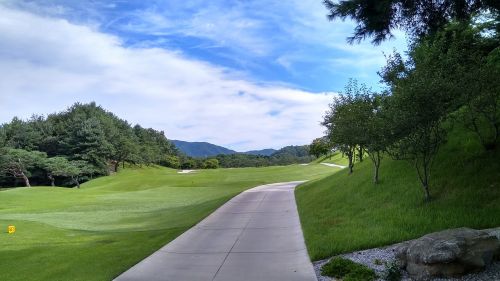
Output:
x=56 y=166
x=376 y=131
x=171 y=161
x=62 y=167
x=211 y=163
x=88 y=143
x=88 y=132
x=378 y=19
x=19 y=163
x=21 y=134
x=125 y=149
x=3 y=137
x=419 y=104
x=78 y=168
x=319 y=147
x=188 y=163
x=345 y=120
x=483 y=109
x=470 y=56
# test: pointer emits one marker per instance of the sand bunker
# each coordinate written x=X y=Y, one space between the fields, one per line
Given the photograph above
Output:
x=185 y=171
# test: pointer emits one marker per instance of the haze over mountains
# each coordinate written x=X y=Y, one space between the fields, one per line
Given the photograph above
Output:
x=205 y=149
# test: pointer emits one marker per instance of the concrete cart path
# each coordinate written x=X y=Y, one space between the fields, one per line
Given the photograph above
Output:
x=256 y=236
x=334 y=165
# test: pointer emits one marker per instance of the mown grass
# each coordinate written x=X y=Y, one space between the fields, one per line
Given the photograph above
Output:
x=343 y=213
x=111 y=223
x=334 y=158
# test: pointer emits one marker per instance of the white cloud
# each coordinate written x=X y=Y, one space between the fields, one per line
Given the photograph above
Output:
x=46 y=64
x=308 y=23
x=277 y=29
x=224 y=25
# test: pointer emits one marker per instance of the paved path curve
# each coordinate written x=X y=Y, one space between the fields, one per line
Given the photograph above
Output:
x=334 y=165
x=256 y=236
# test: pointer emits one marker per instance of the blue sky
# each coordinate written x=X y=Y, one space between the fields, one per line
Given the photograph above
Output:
x=186 y=67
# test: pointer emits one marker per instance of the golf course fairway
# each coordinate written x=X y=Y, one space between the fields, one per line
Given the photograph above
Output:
x=111 y=223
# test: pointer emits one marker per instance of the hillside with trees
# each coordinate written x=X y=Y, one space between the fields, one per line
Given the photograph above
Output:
x=265 y=152
x=448 y=79
x=75 y=145
x=201 y=149
x=86 y=141
x=285 y=156
x=205 y=149
x=423 y=153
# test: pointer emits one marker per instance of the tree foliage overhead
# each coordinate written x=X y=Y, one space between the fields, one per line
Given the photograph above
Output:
x=379 y=18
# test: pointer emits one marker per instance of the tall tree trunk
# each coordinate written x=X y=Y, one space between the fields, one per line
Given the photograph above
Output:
x=492 y=144
x=377 y=168
x=116 y=164
x=360 y=153
x=351 y=156
x=75 y=179
x=123 y=164
x=376 y=159
x=427 y=193
x=424 y=175
x=26 y=180
x=52 y=180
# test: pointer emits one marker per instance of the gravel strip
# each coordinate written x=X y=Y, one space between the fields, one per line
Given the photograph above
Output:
x=386 y=255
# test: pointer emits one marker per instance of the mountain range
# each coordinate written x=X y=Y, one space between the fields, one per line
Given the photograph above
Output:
x=205 y=149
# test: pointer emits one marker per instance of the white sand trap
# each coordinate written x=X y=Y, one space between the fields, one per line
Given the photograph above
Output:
x=304 y=164
x=334 y=165
x=185 y=171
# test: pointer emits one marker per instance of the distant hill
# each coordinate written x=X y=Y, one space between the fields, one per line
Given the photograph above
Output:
x=292 y=151
x=265 y=152
x=201 y=149
x=205 y=149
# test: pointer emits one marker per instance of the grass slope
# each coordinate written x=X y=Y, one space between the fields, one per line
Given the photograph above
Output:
x=111 y=223
x=343 y=213
x=334 y=158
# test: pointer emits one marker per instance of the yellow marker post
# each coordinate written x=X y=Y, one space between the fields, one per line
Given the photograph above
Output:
x=11 y=229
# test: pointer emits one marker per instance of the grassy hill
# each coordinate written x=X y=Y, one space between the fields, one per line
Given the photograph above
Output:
x=343 y=213
x=111 y=223
x=334 y=158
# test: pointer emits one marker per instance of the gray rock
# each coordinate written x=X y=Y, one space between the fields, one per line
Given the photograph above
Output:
x=448 y=253
x=495 y=232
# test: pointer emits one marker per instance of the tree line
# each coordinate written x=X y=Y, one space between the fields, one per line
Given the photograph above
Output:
x=450 y=75
x=85 y=141
x=285 y=156
x=80 y=143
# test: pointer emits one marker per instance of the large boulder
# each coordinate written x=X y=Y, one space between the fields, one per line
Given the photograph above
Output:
x=495 y=232
x=448 y=253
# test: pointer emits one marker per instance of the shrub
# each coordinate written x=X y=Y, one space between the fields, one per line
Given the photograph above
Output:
x=347 y=270
x=392 y=272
